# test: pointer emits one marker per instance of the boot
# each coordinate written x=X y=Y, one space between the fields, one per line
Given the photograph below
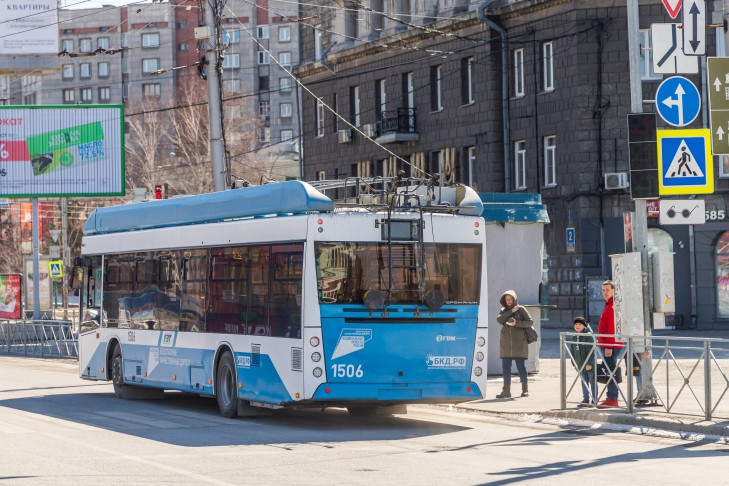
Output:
x=505 y=392
x=524 y=389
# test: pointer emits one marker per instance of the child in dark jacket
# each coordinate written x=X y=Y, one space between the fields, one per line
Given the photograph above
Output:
x=582 y=349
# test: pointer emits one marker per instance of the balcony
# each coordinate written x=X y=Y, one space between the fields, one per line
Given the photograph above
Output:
x=398 y=126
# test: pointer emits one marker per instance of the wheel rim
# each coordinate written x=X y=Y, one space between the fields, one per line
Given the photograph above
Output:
x=226 y=386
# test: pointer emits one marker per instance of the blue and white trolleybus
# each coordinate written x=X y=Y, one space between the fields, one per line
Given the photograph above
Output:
x=274 y=296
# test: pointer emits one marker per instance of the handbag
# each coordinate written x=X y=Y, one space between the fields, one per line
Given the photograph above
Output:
x=531 y=335
x=602 y=373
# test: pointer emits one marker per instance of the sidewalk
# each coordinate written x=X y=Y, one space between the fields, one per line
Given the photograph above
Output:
x=544 y=399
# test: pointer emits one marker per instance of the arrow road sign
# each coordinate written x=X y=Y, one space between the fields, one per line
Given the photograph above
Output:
x=718 y=79
x=678 y=101
x=668 y=56
x=694 y=28
x=673 y=6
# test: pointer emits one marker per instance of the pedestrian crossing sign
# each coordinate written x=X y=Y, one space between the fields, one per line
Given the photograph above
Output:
x=685 y=163
x=55 y=268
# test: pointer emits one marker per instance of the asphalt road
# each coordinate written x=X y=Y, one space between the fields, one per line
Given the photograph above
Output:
x=58 y=429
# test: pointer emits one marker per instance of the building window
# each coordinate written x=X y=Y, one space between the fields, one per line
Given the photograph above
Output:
x=380 y=98
x=231 y=61
x=321 y=175
x=84 y=70
x=287 y=135
x=102 y=43
x=548 y=65
x=284 y=34
x=319 y=118
x=181 y=25
x=67 y=45
x=285 y=110
x=284 y=85
x=436 y=92
x=722 y=275
x=263 y=84
x=285 y=59
x=520 y=164
x=264 y=109
x=103 y=69
x=69 y=96
x=262 y=31
x=104 y=94
x=86 y=95
x=152 y=89
x=182 y=47
x=317 y=44
x=470 y=164
x=518 y=72
x=231 y=36
x=264 y=134
x=263 y=57
x=150 y=65
x=354 y=105
x=67 y=71
x=231 y=85
x=646 y=57
x=150 y=40
x=467 y=81
x=408 y=88
x=84 y=45
x=550 y=161
x=29 y=99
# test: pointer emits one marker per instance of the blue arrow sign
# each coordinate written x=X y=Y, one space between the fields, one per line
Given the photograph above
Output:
x=678 y=101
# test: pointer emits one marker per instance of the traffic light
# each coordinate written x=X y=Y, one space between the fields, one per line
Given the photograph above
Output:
x=160 y=191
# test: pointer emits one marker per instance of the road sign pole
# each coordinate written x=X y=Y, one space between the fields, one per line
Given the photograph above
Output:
x=640 y=228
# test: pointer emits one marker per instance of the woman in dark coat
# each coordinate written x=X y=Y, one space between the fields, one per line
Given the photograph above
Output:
x=513 y=345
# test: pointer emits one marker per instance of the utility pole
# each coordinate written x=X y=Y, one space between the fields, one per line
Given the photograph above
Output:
x=640 y=228
x=211 y=10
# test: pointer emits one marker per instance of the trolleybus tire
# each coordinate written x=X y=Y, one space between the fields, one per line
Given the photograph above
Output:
x=117 y=371
x=226 y=391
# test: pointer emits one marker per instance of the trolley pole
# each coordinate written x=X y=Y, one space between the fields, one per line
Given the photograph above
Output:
x=640 y=228
x=212 y=70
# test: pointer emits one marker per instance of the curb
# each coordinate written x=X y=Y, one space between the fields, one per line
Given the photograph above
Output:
x=672 y=424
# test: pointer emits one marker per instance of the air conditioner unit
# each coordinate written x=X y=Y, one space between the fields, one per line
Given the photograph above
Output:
x=370 y=130
x=344 y=136
x=616 y=180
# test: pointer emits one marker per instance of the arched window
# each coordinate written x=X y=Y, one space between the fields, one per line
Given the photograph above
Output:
x=722 y=275
x=659 y=240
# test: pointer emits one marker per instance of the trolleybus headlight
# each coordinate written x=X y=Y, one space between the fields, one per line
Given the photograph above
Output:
x=314 y=341
x=317 y=372
x=315 y=357
x=479 y=356
x=481 y=341
x=476 y=371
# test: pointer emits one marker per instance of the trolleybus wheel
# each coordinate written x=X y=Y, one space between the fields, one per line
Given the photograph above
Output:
x=225 y=387
x=117 y=371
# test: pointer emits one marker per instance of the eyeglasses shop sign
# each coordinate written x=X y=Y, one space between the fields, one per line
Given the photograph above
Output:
x=689 y=211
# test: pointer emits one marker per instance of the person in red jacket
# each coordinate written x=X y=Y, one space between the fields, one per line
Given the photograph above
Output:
x=609 y=346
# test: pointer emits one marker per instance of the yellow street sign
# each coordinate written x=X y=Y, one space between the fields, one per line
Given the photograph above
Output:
x=55 y=268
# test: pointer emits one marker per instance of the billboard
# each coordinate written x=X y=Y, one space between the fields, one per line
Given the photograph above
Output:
x=61 y=151
x=45 y=286
x=28 y=27
x=10 y=296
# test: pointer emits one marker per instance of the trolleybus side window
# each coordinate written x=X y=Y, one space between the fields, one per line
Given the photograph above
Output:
x=143 y=312
x=285 y=310
x=193 y=289
x=227 y=307
x=168 y=291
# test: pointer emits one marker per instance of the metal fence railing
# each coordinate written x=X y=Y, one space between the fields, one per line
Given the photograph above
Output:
x=36 y=338
x=681 y=375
